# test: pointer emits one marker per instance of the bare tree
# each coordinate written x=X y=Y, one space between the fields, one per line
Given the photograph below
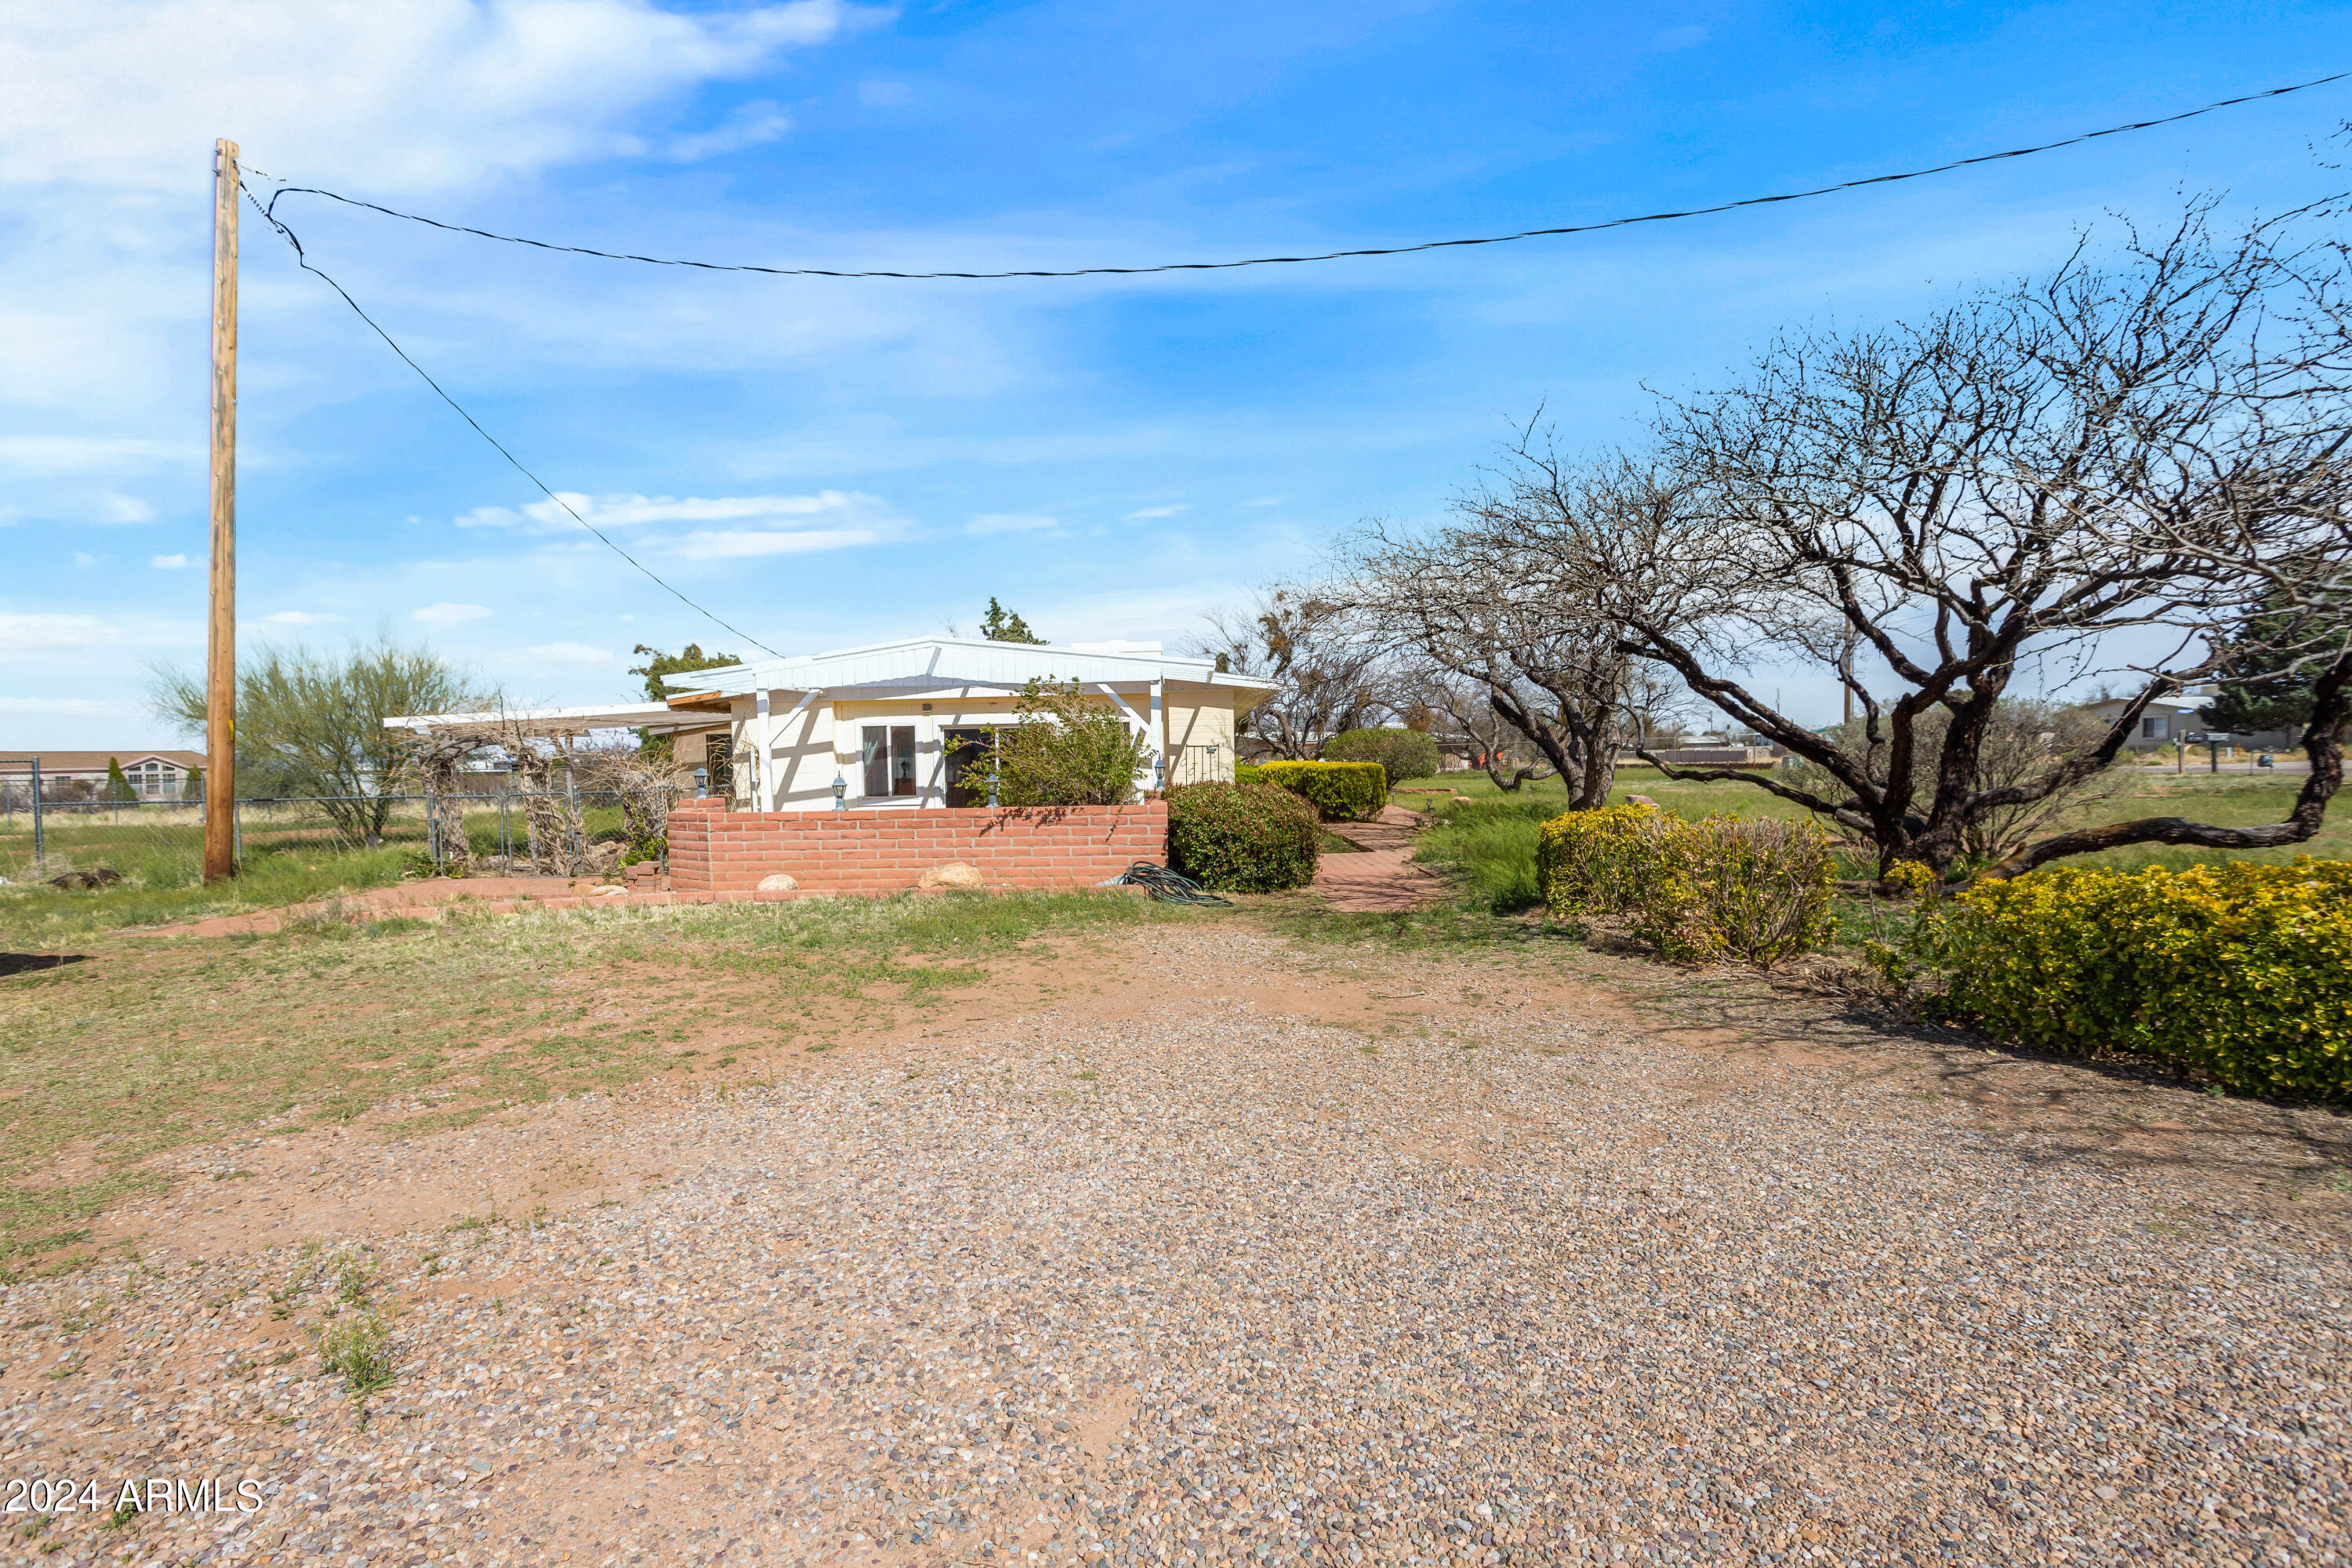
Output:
x=2032 y=475
x=1499 y=746
x=1327 y=676
x=1484 y=602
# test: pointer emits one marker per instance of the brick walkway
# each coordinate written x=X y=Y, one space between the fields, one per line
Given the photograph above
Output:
x=1383 y=878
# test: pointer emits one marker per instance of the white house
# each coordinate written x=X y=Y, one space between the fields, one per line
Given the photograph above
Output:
x=889 y=722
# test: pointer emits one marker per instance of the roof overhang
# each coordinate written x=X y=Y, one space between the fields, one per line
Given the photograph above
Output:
x=657 y=717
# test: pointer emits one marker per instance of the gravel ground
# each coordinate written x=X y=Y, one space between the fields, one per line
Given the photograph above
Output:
x=1216 y=1283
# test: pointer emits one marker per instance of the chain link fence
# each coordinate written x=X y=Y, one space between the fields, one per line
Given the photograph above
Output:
x=159 y=843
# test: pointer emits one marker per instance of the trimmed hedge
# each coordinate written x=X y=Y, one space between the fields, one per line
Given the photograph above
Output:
x=1246 y=773
x=1726 y=885
x=1240 y=837
x=1339 y=791
x=1401 y=753
x=2239 y=973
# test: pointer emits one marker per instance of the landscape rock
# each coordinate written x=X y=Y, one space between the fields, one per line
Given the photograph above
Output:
x=779 y=883
x=953 y=874
x=1639 y=800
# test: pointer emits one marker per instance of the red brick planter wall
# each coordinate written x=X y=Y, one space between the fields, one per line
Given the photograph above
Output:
x=712 y=849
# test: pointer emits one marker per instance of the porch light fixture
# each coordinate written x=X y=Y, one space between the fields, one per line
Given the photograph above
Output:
x=840 y=792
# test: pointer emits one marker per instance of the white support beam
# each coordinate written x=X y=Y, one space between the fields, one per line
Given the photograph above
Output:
x=1159 y=732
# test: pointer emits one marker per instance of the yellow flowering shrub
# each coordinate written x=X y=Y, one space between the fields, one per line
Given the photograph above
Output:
x=1758 y=891
x=2239 y=973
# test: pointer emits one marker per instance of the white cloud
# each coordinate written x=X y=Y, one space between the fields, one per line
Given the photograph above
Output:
x=75 y=705
x=618 y=511
x=427 y=94
x=1009 y=522
x=1678 y=39
x=716 y=545
x=304 y=618
x=751 y=125
x=84 y=560
x=569 y=653
x=167 y=563
x=48 y=633
x=445 y=614
x=1148 y=513
x=80 y=454
x=114 y=508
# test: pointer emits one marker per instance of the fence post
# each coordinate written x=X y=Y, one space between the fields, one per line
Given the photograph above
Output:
x=237 y=832
x=40 y=845
x=506 y=843
x=574 y=829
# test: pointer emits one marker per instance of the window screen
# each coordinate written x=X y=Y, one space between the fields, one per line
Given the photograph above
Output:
x=876 y=753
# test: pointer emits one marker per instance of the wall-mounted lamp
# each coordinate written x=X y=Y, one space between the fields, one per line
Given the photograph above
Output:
x=840 y=792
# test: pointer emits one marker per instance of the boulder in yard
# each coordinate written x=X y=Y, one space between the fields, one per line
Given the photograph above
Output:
x=953 y=874
x=1641 y=800
x=779 y=883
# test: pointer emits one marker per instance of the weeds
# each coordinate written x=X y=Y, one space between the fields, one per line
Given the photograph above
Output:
x=358 y=1349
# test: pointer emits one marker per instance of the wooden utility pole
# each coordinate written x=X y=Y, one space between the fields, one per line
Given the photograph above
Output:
x=220 y=647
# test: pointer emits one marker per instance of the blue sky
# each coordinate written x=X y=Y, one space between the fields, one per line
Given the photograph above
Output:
x=827 y=463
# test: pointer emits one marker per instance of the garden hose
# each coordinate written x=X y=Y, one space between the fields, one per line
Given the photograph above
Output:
x=1167 y=886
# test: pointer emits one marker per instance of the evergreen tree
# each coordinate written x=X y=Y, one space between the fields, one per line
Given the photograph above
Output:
x=1000 y=625
x=117 y=786
x=2262 y=689
x=194 y=788
x=660 y=664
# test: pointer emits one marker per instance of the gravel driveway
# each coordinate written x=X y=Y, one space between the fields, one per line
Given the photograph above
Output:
x=1185 y=1277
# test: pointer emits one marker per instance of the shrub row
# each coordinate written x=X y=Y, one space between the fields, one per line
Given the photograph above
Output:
x=1401 y=753
x=1754 y=890
x=1240 y=837
x=2237 y=972
x=1339 y=791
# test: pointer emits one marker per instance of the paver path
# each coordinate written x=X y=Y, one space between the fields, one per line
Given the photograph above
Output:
x=1259 y=1256
x=1383 y=877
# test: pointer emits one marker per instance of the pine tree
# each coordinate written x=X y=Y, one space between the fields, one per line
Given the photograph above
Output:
x=193 y=789
x=117 y=786
x=1000 y=625
x=2264 y=691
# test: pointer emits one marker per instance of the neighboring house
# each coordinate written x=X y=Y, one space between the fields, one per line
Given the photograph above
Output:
x=893 y=722
x=2169 y=721
x=154 y=775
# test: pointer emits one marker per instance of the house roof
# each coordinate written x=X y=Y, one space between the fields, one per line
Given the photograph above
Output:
x=95 y=762
x=929 y=664
x=658 y=716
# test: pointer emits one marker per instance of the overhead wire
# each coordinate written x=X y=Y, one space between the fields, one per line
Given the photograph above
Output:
x=304 y=259
x=1322 y=255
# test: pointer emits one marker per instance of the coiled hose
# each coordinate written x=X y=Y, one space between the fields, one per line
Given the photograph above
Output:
x=1168 y=887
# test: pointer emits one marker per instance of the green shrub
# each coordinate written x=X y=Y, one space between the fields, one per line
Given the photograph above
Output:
x=1401 y=753
x=2234 y=971
x=1753 y=889
x=1069 y=749
x=1339 y=791
x=1246 y=773
x=1240 y=837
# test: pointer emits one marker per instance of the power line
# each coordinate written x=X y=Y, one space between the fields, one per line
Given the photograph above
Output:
x=304 y=260
x=1325 y=256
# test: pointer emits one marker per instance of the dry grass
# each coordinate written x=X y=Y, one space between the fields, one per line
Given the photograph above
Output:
x=148 y=1045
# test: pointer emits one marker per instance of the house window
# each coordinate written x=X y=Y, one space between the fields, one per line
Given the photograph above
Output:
x=889 y=758
x=963 y=748
x=2152 y=729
